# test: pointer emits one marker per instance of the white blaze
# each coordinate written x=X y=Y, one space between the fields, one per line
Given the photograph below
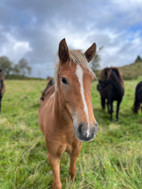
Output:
x=79 y=73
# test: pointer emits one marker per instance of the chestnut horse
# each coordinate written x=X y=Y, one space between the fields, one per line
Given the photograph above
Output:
x=2 y=87
x=66 y=115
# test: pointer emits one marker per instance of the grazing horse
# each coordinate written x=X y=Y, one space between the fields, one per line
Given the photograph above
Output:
x=111 y=87
x=45 y=91
x=138 y=98
x=66 y=115
x=2 y=87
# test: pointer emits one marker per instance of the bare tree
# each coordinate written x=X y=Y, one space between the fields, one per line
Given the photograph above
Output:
x=23 y=67
x=95 y=63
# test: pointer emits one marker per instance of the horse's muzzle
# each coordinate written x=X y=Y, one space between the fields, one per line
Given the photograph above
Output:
x=86 y=134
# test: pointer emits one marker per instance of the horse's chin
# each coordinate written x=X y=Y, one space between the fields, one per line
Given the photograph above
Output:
x=89 y=139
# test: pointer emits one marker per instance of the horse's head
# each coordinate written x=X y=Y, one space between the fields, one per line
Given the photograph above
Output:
x=73 y=83
x=101 y=85
x=105 y=74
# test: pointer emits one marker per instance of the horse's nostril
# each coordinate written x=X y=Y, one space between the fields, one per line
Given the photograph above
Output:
x=96 y=125
x=80 y=128
x=92 y=134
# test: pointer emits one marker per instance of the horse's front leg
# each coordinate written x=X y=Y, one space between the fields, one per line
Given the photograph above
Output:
x=111 y=110
x=55 y=166
x=117 y=110
x=73 y=157
x=108 y=107
x=103 y=102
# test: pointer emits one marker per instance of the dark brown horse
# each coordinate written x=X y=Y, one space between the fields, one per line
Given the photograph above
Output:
x=45 y=91
x=66 y=115
x=111 y=88
x=2 y=87
x=138 y=98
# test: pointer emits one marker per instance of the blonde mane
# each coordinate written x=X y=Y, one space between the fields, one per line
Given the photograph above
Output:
x=77 y=57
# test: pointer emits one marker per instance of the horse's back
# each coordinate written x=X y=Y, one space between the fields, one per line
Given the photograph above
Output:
x=45 y=91
x=48 y=92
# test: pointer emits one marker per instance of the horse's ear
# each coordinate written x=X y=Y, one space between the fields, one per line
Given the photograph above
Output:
x=63 y=51
x=89 y=53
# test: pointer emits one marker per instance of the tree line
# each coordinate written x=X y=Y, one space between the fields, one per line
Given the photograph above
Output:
x=11 y=70
x=22 y=69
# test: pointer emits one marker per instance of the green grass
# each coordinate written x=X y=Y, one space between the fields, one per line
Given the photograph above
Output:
x=112 y=161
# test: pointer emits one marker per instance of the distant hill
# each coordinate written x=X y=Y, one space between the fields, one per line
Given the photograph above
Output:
x=132 y=71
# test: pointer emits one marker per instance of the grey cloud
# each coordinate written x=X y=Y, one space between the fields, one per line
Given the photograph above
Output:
x=42 y=24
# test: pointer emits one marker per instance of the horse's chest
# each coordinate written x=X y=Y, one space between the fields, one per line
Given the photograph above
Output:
x=69 y=148
x=71 y=144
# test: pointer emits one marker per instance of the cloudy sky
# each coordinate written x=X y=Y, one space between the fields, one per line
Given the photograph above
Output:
x=33 y=29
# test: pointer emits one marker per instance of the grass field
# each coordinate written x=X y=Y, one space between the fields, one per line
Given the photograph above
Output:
x=112 y=161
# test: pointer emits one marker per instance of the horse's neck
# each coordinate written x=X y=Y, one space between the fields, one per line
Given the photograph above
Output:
x=116 y=80
x=60 y=111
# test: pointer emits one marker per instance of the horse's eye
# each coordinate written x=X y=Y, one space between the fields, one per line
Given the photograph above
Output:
x=64 y=81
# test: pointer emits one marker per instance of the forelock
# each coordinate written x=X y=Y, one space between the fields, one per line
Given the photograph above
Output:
x=77 y=57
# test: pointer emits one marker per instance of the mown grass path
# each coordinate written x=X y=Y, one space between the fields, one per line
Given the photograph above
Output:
x=112 y=161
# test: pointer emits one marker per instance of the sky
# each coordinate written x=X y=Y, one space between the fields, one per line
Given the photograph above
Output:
x=32 y=29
